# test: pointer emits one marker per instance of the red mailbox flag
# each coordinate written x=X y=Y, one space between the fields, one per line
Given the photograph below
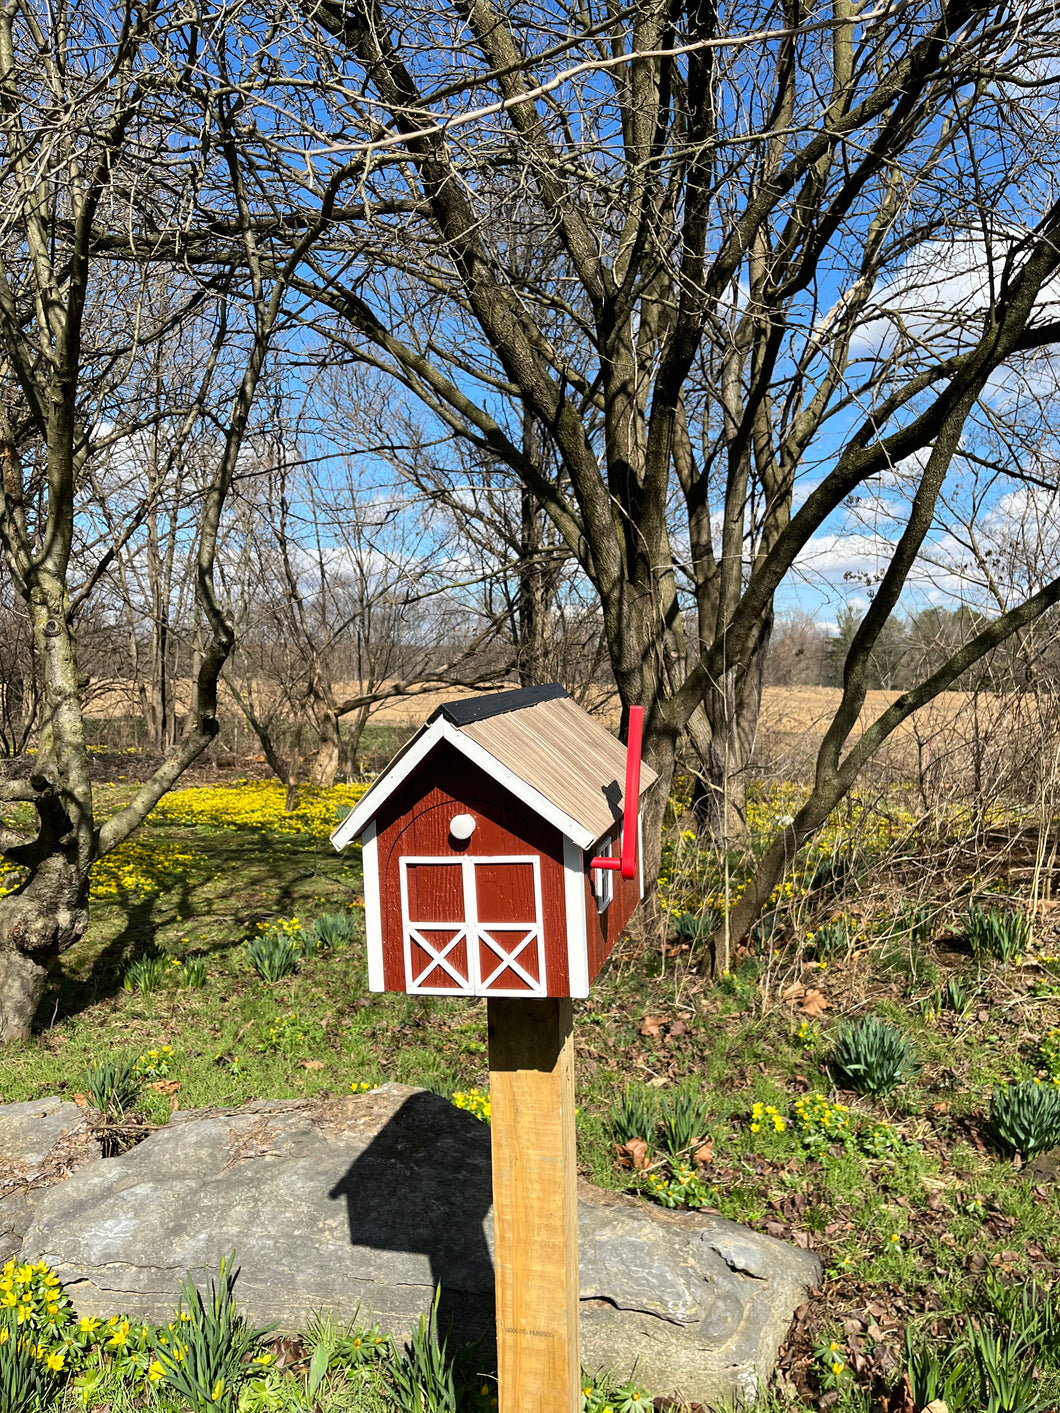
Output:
x=627 y=864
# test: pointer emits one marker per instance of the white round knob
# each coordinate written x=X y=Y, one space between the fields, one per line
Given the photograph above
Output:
x=462 y=826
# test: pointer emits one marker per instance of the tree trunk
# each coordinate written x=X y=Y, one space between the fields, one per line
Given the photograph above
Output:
x=326 y=763
x=659 y=751
x=351 y=743
x=723 y=737
x=294 y=768
x=37 y=924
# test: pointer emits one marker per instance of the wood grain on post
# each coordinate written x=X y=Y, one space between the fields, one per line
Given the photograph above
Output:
x=535 y=1205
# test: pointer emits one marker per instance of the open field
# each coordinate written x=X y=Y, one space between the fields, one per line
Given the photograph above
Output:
x=913 y=1207
x=783 y=708
x=796 y=710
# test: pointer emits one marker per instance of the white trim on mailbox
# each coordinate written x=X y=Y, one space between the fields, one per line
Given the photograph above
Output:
x=577 y=932
x=476 y=934
x=373 y=913
x=440 y=730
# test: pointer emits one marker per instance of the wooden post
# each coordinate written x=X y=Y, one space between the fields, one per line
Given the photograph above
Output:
x=535 y=1205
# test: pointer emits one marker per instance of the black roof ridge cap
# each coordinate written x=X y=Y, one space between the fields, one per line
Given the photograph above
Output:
x=469 y=709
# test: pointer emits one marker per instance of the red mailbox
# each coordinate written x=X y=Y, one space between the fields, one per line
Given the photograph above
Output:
x=498 y=858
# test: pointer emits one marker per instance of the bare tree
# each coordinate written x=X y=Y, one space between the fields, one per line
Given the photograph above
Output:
x=734 y=265
x=730 y=216
x=89 y=103
x=351 y=595
x=499 y=540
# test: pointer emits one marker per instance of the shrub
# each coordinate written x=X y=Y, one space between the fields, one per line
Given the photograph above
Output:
x=272 y=955
x=1002 y=936
x=1001 y=1372
x=146 y=973
x=685 y=1189
x=1025 y=1117
x=113 y=1087
x=831 y=940
x=154 y=1063
x=207 y=1350
x=633 y=1116
x=872 y=1057
x=22 y=1380
x=1049 y=1053
x=696 y=927
x=333 y=930
x=194 y=974
x=820 y=1124
x=423 y=1379
x=474 y=1101
x=684 y=1121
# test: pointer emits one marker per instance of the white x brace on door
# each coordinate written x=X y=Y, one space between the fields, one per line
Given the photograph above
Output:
x=472 y=926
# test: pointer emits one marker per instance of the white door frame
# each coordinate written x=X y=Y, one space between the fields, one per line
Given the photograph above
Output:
x=475 y=932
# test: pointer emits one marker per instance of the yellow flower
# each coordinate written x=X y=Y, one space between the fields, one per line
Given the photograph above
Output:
x=155 y=1371
x=217 y=1392
x=120 y=1337
x=55 y=1360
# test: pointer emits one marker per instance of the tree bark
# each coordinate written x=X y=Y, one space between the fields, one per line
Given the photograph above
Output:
x=38 y=923
x=326 y=762
x=724 y=742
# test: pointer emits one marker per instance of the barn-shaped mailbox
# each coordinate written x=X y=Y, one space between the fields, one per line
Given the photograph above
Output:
x=484 y=843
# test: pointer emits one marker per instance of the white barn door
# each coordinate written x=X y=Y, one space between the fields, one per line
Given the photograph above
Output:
x=472 y=926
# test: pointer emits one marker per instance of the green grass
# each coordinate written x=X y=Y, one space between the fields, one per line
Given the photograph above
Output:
x=908 y=1234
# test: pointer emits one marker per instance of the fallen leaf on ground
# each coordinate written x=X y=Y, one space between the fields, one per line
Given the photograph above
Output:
x=312 y=1064
x=165 y=1086
x=81 y=1101
x=652 y=1025
x=288 y=1351
x=633 y=1154
x=814 y=1004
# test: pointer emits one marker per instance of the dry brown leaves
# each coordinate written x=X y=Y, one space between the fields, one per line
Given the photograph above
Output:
x=807 y=1002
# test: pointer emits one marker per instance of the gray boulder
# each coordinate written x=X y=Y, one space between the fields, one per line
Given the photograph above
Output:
x=41 y=1142
x=366 y=1203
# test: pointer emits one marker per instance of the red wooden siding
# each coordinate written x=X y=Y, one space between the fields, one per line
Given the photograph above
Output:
x=604 y=929
x=435 y=891
x=414 y=824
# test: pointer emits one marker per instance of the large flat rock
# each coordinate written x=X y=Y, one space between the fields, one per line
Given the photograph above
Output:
x=366 y=1203
x=41 y=1142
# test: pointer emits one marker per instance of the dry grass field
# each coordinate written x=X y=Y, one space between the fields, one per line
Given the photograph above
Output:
x=788 y=709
